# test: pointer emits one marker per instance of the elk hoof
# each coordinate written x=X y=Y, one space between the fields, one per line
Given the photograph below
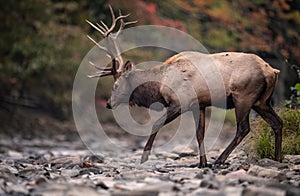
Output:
x=203 y=165
x=219 y=162
x=145 y=156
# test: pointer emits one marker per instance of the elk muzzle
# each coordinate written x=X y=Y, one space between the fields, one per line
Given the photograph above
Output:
x=108 y=104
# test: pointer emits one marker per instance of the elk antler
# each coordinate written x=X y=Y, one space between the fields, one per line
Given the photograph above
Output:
x=107 y=32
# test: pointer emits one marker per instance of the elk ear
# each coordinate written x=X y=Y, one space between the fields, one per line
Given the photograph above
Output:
x=128 y=66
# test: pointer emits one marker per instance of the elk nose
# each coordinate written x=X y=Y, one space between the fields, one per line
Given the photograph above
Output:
x=108 y=104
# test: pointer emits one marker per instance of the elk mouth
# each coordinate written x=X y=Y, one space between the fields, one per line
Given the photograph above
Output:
x=108 y=104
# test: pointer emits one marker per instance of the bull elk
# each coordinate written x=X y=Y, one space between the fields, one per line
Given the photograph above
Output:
x=248 y=82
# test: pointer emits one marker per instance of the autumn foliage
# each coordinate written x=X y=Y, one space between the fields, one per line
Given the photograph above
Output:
x=42 y=42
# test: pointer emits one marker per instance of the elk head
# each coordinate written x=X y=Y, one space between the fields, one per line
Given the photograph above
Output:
x=121 y=89
x=117 y=67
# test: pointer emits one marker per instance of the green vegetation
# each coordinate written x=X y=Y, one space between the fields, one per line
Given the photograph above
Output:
x=42 y=44
x=294 y=101
x=261 y=139
x=43 y=41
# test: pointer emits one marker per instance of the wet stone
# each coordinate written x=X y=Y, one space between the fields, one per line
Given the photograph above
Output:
x=207 y=192
x=295 y=168
x=57 y=166
x=184 y=151
x=263 y=191
x=15 y=188
x=136 y=193
x=210 y=184
x=94 y=158
x=265 y=162
x=91 y=170
x=11 y=169
x=294 y=159
x=263 y=172
x=69 y=172
x=7 y=175
x=136 y=175
x=167 y=155
x=64 y=189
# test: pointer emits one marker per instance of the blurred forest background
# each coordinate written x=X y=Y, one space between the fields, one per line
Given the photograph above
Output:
x=42 y=42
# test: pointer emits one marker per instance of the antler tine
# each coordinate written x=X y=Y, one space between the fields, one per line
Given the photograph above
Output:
x=100 y=75
x=114 y=20
x=103 y=28
x=104 y=25
x=100 y=68
x=95 y=27
x=117 y=61
x=103 y=71
x=130 y=22
x=113 y=17
x=123 y=24
x=110 y=55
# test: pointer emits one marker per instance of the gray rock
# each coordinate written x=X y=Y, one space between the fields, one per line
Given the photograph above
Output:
x=243 y=176
x=136 y=175
x=210 y=184
x=189 y=185
x=61 y=189
x=69 y=172
x=295 y=167
x=61 y=167
x=263 y=172
x=90 y=170
x=166 y=155
x=290 y=174
x=180 y=174
x=263 y=191
x=136 y=193
x=271 y=163
x=184 y=151
x=30 y=174
x=265 y=162
x=11 y=169
x=289 y=189
x=7 y=175
x=234 y=191
x=294 y=159
x=207 y=192
x=94 y=158
x=65 y=161
x=14 y=154
x=2 y=186
x=16 y=188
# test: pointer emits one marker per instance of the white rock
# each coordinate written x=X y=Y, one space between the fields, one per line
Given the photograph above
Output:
x=263 y=172
x=14 y=154
x=69 y=172
x=183 y=151
x=234 y=191
x=295 y=167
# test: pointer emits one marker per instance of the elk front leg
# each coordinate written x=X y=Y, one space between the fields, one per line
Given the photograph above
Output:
x=171 y=114
x=200 y=131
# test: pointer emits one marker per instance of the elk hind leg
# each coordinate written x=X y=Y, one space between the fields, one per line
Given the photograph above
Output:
x=243 y=128
x=270 y=116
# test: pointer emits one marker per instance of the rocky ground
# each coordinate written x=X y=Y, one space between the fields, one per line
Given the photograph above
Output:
x=58 y=163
